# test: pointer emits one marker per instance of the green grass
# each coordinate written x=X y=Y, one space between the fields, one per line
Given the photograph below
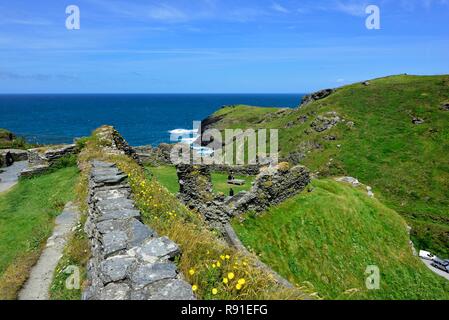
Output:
x=27 y=215
x=406 y=163
x=331 y=235
x=166 y=175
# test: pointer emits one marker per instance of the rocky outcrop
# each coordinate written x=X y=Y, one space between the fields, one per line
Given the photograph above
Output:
x=325 y=122
x=316 y=96
x=129 y=261
x=6 y=136
x=417 y=121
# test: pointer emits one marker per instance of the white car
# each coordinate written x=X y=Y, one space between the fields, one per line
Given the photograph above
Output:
x=426 y=255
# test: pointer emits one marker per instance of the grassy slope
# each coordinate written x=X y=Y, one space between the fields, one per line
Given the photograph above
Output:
x=26 y=220
x=16 y=143
x=406 y=163
x=330 y=236
x=166 y=175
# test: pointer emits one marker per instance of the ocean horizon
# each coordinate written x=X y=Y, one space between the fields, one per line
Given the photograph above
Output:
x=143 y=119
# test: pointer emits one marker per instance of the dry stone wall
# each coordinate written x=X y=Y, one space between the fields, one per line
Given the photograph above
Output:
x=272 y=186
x=129 y=260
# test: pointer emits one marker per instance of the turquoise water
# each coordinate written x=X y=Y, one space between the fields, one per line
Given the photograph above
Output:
x=142 y=119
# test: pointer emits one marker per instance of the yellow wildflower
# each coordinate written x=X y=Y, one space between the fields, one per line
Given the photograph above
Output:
x=238 y=286
x=222 y=257
x=231 y=275
x=241 y=281
x=194 y=288
x=228 y=257
x=192 y=272
x=225 y=280
x=218 y=264
x=214 y=291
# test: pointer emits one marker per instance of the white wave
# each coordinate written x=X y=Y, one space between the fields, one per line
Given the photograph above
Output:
x=183 y=132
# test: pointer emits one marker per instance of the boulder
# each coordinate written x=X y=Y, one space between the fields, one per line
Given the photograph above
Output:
x=353 y=181
x=417 y=121
x=445 y=107
x=325 y=122
x=316 y=96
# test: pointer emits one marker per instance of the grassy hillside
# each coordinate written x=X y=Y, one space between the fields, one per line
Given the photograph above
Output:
x=167 y=176
x=9 y=141
x=330 y=236
x=406 y=163
x=27 y=213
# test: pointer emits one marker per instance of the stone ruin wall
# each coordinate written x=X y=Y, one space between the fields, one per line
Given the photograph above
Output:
x=272 y=186
x=129 y=260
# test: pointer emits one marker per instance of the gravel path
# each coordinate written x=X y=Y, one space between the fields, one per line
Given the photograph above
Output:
x=435 y=270
x=38 y=284
x=10 y=175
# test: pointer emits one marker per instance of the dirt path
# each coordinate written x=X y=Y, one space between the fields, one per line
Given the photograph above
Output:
x=38 y=284
x=10 y=175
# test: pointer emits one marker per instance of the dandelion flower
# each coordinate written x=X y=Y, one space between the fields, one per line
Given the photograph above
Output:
x=228 y=257
x=218 y=264
x=225 y=280
x=238 y=286
x=214 y=265
x=194 y=288
x=231 y=275
x=242 y=281
x=214 y=291
x=222 y=257
x=192 y=272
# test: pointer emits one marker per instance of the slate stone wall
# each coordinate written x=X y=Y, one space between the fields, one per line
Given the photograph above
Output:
x=129 y=260
x=272 y=186
x=48 y=155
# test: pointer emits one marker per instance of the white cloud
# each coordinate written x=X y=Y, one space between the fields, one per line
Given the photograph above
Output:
x=353 y=8
x=279 y=8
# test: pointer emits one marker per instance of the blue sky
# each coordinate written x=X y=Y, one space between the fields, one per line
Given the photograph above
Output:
x=216 y=46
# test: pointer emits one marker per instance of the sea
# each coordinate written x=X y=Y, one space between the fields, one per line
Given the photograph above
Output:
x=143 y=119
